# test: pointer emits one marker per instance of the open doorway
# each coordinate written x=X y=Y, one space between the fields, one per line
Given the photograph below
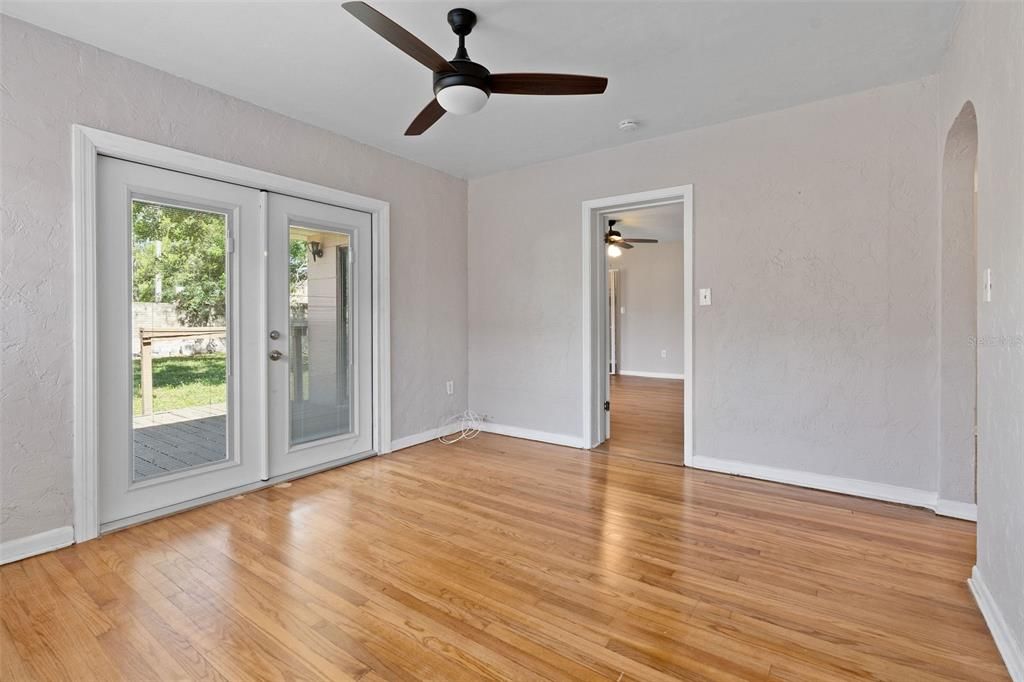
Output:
x=638 y=325
x=961 y=287
x=645 y=332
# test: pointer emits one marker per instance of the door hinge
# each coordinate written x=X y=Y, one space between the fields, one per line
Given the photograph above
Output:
x=231 y=244
x=607 y=406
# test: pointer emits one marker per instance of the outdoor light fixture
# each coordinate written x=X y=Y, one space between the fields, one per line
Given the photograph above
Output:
x=316 y=250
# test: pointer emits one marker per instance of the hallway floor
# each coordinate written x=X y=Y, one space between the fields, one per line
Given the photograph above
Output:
x=647 y=419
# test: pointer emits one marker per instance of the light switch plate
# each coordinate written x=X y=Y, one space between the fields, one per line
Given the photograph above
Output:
x=705 y=296
x=988 y=285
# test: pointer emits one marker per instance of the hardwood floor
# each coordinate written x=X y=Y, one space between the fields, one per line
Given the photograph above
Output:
x=508 y=559
x=647 y=419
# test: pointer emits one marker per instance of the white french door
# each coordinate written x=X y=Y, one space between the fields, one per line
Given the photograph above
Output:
x=177 y=413
x=320 y=334
x=192 y=276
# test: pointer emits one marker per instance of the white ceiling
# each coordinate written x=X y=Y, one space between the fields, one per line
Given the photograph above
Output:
x=671 y=65
x=664 y=223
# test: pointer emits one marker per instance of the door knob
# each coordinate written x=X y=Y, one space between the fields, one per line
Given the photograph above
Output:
x=276 y=355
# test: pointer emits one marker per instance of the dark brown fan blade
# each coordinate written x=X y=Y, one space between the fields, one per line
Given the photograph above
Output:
x=623 y=245
x=546 y=84
x=398 y=36
x=426 y=118
x=643 y=241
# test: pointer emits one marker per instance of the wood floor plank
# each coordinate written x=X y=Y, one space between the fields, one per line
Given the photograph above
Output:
x=504 y=559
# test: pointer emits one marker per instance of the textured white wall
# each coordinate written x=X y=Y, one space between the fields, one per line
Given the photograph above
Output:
x=985 y=65
x=50 y=82
x=651 y=290
x=817 y=228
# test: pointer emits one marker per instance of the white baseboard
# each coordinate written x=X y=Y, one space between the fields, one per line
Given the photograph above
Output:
x=650 y=375
x=1007 y=644
x=47 y=541
x=836 y=484
x=530 y=434
x=423 y=437
x=958 y=510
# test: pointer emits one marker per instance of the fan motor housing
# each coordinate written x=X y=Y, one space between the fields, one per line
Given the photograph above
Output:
x=466 y=73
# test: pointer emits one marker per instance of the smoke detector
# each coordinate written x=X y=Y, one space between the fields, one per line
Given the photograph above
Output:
x=628 y=125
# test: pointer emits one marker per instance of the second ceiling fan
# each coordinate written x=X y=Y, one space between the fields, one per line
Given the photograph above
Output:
x=461 y=86
x=616 y=242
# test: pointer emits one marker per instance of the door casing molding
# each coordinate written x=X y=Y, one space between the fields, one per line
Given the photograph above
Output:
x=595 y=309
x=87 y=144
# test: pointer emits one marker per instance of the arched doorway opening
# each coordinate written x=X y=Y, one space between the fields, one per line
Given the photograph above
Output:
x=958 y=447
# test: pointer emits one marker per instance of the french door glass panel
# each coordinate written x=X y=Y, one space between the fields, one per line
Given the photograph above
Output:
x=320 y=338
x=175 y=371
x=319 y=334
x=179 y=353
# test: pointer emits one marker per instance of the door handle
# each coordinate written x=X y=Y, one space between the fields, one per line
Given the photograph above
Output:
x=276 y=355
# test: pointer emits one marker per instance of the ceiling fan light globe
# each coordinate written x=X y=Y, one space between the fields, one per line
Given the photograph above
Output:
x=462 y=99
x=614 y=251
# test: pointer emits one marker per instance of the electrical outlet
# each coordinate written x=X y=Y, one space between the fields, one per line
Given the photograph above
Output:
x=450 y=387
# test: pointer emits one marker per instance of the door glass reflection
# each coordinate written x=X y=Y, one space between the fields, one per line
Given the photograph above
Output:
x=319 y=334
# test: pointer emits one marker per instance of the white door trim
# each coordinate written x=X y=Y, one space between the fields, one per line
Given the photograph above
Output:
x=87 y=144
x=594 y=316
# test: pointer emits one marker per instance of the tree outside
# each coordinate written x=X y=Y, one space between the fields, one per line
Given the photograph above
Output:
x=179 y=257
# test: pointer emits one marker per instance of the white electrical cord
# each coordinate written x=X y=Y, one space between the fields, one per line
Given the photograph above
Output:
x=468 y=427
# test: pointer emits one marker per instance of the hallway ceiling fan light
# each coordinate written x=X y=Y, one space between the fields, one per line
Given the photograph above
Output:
x=614 y=251
x=462 y=99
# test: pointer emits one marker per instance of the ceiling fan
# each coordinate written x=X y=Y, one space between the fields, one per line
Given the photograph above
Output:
x=461 y=86
x=616 y=242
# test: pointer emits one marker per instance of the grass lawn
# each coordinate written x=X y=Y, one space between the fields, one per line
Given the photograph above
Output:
x=183 y=381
